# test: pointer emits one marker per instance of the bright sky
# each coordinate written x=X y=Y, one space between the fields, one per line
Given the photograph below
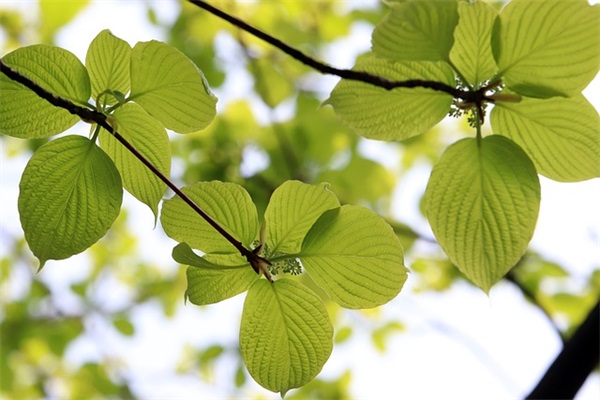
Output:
x=461 y=344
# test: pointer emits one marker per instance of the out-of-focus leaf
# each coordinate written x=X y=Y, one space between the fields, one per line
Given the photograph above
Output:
x=417 y=31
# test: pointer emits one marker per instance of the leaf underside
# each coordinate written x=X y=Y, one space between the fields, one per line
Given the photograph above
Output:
x=70 y=194
x=353 y=255
x=483 y=209
x=285 y=334
x=23 y=114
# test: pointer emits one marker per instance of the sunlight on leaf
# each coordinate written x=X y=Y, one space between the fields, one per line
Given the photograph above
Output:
x=209 y=282
x=472 y=50
x=212 y=286
x=355 y=257
x=482 y=202
x=396 y=114
x=560 y=135
x=547 y=48
x=285 y=334
x=417 y=31
x=293 y=209
x=170 y=87
x=107 y=61
x=70 y=195
x=23 y=113
x=227 y=203
x=150 y=138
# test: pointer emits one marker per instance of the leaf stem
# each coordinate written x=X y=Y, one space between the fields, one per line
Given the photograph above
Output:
x=101 y=119
x=96 y=133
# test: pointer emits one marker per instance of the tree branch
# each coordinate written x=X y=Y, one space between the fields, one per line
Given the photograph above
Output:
x=467 y=96
x=93 y=116
x=574 y=363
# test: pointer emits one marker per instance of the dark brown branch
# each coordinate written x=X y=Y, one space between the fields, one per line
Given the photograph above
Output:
x=467 y=96
x=99 y=118
x=574 y=363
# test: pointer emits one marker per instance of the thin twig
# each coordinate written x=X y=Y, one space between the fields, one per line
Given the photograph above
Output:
x=466 y=96
x=99 y=118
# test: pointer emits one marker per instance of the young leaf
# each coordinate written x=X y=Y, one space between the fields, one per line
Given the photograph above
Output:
x=417 y=31
x=482 y=201
x=227 y=203
x=183 y=254
x=293 y=209
x=150 y=138
x=70 y=194
x=547 y=48
x=107 y=61
x=285 y=334
x=560 y=135
x=23 y=113
x=206 y=286
x=170 y=87
x=355 y=257
x=472 y=50
x=396 y=114
x=210 y=283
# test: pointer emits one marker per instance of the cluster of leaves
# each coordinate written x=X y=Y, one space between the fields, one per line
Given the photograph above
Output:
x=285 y=334
x=71 y=189
x=114 y=100
x=483 y=196
x=71 y=193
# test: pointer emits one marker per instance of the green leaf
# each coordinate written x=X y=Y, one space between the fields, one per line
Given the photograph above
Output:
x=355 y=257
x=210 y=283
x=396 y=114
x=108 y=60
x=124 y=325
x=472 y=50
x=547 y=48
x=212 y=286
x=362 y=179
x=70 y=194
x=183 y=254
x=417 y=31
x=270 y=84
x=343 y=334
x=227 y=203
x=170 y=87
x=482 y=201
x=23 y=113
x=560 y=135
x=150 y=138
x=381 y=335
x=293 y=209
x=56 y=16
x=285 y=334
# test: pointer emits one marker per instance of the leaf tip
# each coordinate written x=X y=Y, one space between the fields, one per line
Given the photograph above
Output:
x=42 y=264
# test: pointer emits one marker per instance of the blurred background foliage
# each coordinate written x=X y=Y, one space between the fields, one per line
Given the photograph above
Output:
x=265 y=134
